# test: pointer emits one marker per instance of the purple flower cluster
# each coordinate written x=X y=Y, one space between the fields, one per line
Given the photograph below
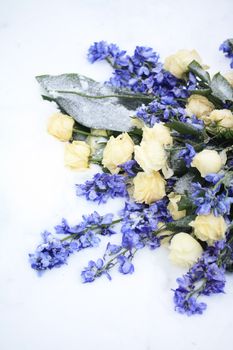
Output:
x=130 y=167
x=208 y=200
x=227 y=48
x=53 y=252
x=206 y=277
x=139 y=222
x=102 y=187
x=187 y=154
x=160 y=110
x=141 y=73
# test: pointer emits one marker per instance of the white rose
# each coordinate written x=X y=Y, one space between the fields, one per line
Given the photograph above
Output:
x=76 y=155
x=148 y=188
x=159 y=132
x=177 y=64
x=173 y=207
x=207 y=162
x=223 y=117
x=184 y=250
x=117 y=151
x=166 y=240
x=199 y=106
x=209 y=228
x=60 y=126
x=150 y=155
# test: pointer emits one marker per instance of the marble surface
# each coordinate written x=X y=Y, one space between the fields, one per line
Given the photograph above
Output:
x=57 y=311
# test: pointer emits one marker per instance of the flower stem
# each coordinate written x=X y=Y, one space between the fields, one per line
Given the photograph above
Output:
x=126 y=96
x=93 y=227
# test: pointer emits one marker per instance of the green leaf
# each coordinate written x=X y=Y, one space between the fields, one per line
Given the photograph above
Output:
x=90 y=103
x=221 y=88
x=197 y=69
x=181 y=224
x=185 y=203
x=184 y=128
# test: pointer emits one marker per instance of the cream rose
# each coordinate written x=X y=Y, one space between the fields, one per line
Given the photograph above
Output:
x=150 y=155
x=209 y=228
x=76 y=155
x=117 y=151
x=159 y=132
x=60 y=126
x=177 y=64
x=184 y=250
x=173 y=207
x=223 y=117
x=207 y=162
x=148 y=188
x=166 y=240
x=199 y=106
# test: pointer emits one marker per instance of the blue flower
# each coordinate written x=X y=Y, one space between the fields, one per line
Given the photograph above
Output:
x=125 y=265
x=102 y=187
x=227 y=48
x=206 y=277
x=187 y=154
x=52 y=252
x=208 y=200
x=130 y=167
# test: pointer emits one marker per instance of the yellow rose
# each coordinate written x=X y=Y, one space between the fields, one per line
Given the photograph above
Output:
x=199 y=106
x=117 y=151
x=223 y=117
x=148 y=188
x=184 y=250
x=209 y=228
x=76 y=155
x=60 y=126
x=159 y=132
x=173 y=207
x=177 y=64
x=229 y=77
x=207 y=162
x=150 y=155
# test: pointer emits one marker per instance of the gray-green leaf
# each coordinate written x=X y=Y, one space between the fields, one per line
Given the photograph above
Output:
x=197 y=69
x=90 y=103
x=221 y=88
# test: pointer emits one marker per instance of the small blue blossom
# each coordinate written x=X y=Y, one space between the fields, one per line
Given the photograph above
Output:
x=193 y=121
x=52 y=252
x=207 y=200
x=102 y=187
x=130 y=167
x=187 y=154
x=206 y=277
x=139 y=222
x=93 y=270
x=125 y=265
x=227 y=48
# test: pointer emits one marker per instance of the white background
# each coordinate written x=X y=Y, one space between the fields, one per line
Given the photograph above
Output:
x=57 y=311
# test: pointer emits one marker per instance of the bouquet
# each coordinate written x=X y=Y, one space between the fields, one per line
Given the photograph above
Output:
x=163 y=136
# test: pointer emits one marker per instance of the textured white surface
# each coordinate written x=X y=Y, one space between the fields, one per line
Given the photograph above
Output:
x=56 y=311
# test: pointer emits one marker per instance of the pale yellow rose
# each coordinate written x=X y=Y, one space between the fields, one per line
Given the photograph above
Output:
x=137 y=123
x=229 y=77
x=60 y=126
x=76 y=155
x=184 y=250
x=150 y=155
x=173 y=206
x=117 y=151
x=177 y=64
x=223 y=117
x=159 y=132
x=207 y=162
x=148 y=188
x=199 y=106
x=209 y=228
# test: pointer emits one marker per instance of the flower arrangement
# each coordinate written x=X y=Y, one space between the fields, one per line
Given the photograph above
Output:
x=163 y=135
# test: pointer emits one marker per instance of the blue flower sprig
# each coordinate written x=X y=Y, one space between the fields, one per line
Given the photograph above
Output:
x=227 y=48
